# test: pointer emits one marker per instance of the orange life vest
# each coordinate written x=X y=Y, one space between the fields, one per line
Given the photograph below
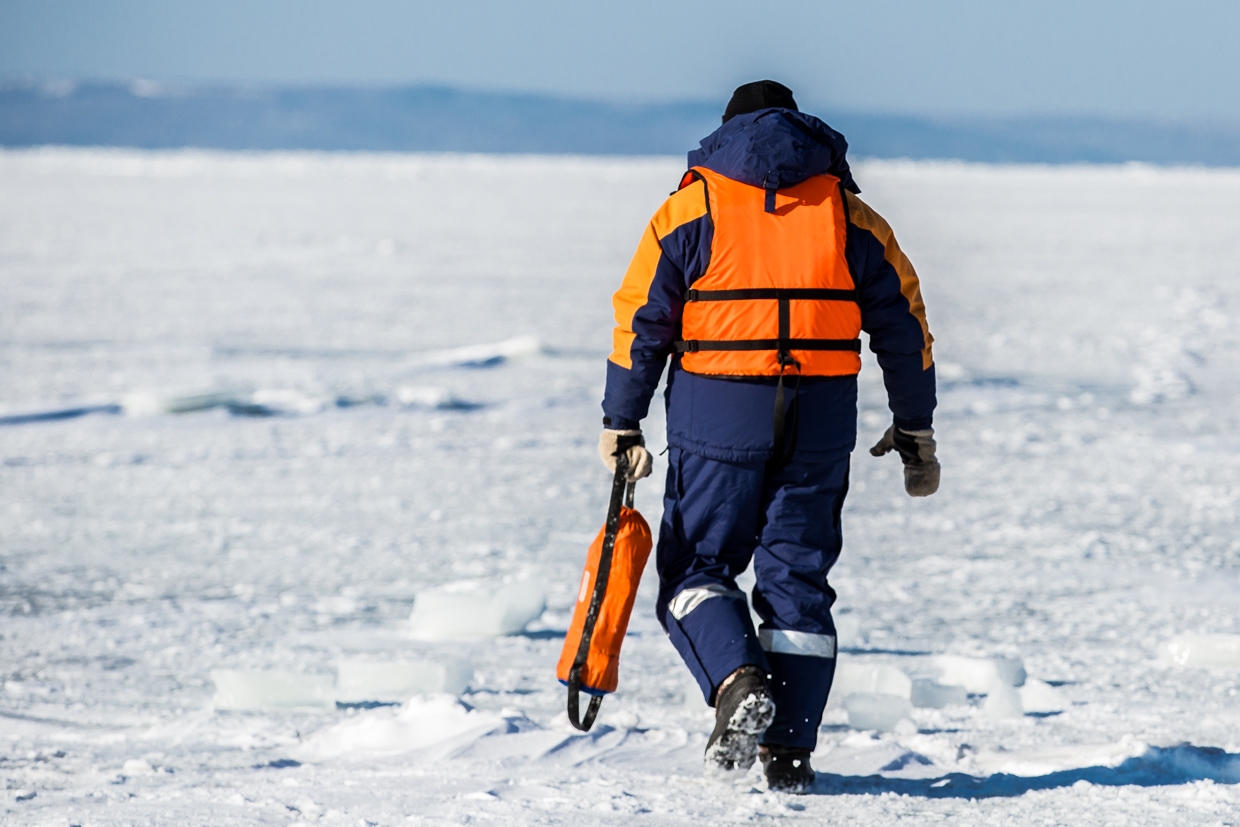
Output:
x=777 y=295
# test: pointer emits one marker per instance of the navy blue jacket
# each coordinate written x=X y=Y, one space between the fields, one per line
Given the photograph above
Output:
x=730 y=419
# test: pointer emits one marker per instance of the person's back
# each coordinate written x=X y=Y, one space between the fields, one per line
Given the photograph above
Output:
x=758 y=276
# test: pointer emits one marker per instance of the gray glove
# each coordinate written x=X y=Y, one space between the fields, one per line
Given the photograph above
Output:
x=640 y=461
x=916 y=449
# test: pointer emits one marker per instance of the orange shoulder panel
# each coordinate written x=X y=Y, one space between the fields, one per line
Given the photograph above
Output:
x=684 y=205
x=861 y=215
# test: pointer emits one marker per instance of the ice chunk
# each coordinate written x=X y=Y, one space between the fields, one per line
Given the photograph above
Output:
x=470 y=611
x=420 y=723
x=980 y=674
x=1003 y=701
x=485 y=355
x=436 y=399
x=1039 y=696
x=235 y=689
x=337 y=605
x=282 y=402
x=56 y=414
x=929 y=694
x=142 y=403
x=860 y=678
x=1010 y=670
x=847 y=629
x=358 y=680
x=873 y=710
x=1217 y=651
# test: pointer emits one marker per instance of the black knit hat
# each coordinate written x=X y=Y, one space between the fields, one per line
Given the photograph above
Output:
x=761 y=94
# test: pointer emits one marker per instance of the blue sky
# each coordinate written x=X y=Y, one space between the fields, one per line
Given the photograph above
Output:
x=1142 y=58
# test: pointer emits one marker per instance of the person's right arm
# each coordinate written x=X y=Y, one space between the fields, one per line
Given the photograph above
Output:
x=674 y=252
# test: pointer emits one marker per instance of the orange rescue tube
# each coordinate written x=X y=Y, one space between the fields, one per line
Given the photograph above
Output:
x=590 y=659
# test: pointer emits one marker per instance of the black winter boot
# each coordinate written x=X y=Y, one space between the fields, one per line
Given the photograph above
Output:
x=743 y=711
x=787 y=769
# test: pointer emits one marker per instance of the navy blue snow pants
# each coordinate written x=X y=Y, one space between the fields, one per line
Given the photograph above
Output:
x=717 y=516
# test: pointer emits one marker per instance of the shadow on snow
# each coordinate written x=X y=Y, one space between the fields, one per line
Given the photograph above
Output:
x=1157 y=767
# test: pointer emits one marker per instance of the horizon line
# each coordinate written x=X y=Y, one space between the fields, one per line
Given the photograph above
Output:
x=155 y=88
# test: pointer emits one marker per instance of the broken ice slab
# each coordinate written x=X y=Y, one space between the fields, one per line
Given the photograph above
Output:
x=429 y=398
x=281 y=402
x=872 y=710
x=928 y=694
x=853 y=678
x=1213 y=651
x=847 y=629
x=1003 y=701
x=56 y=414
x=473 y=611
x=359 y=681
x=238 y=689
x=142 y=403
x=239 y=402
x=1040 y=697
x=485 y=355
x=980 y=674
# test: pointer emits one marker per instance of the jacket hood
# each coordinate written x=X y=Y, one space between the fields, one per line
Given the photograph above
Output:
x=779 y=147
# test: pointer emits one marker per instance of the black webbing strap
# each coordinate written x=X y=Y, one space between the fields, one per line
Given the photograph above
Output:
x=794 y=293
x=785 y=342
x=621 y=494
x=783 y=441
x=695 y=345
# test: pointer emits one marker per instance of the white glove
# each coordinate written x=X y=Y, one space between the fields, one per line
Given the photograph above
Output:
x=640 y=461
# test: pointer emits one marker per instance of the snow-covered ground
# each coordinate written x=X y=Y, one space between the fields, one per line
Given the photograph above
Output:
x=253 y=406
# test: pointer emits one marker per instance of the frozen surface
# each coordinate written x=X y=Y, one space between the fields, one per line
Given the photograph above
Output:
x=256 y=407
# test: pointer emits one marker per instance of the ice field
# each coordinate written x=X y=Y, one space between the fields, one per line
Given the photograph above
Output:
x=298 y=473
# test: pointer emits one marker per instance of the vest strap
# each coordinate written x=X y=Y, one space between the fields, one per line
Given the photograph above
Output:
x=775 y=293
x=696 y=345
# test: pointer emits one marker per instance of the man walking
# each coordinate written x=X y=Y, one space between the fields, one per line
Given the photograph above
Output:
x=757 y=277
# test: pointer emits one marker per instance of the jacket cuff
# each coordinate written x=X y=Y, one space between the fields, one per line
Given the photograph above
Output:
x=619 y=423
x=920 y=424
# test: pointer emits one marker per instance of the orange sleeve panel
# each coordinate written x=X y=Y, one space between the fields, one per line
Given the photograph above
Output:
x=861 y=215
x=683 y=206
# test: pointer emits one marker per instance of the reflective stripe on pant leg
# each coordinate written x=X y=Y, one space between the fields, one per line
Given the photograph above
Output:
x=690 y=599
x=787 y=642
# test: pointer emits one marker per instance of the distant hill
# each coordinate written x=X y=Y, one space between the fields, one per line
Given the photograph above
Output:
x=427 y=118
